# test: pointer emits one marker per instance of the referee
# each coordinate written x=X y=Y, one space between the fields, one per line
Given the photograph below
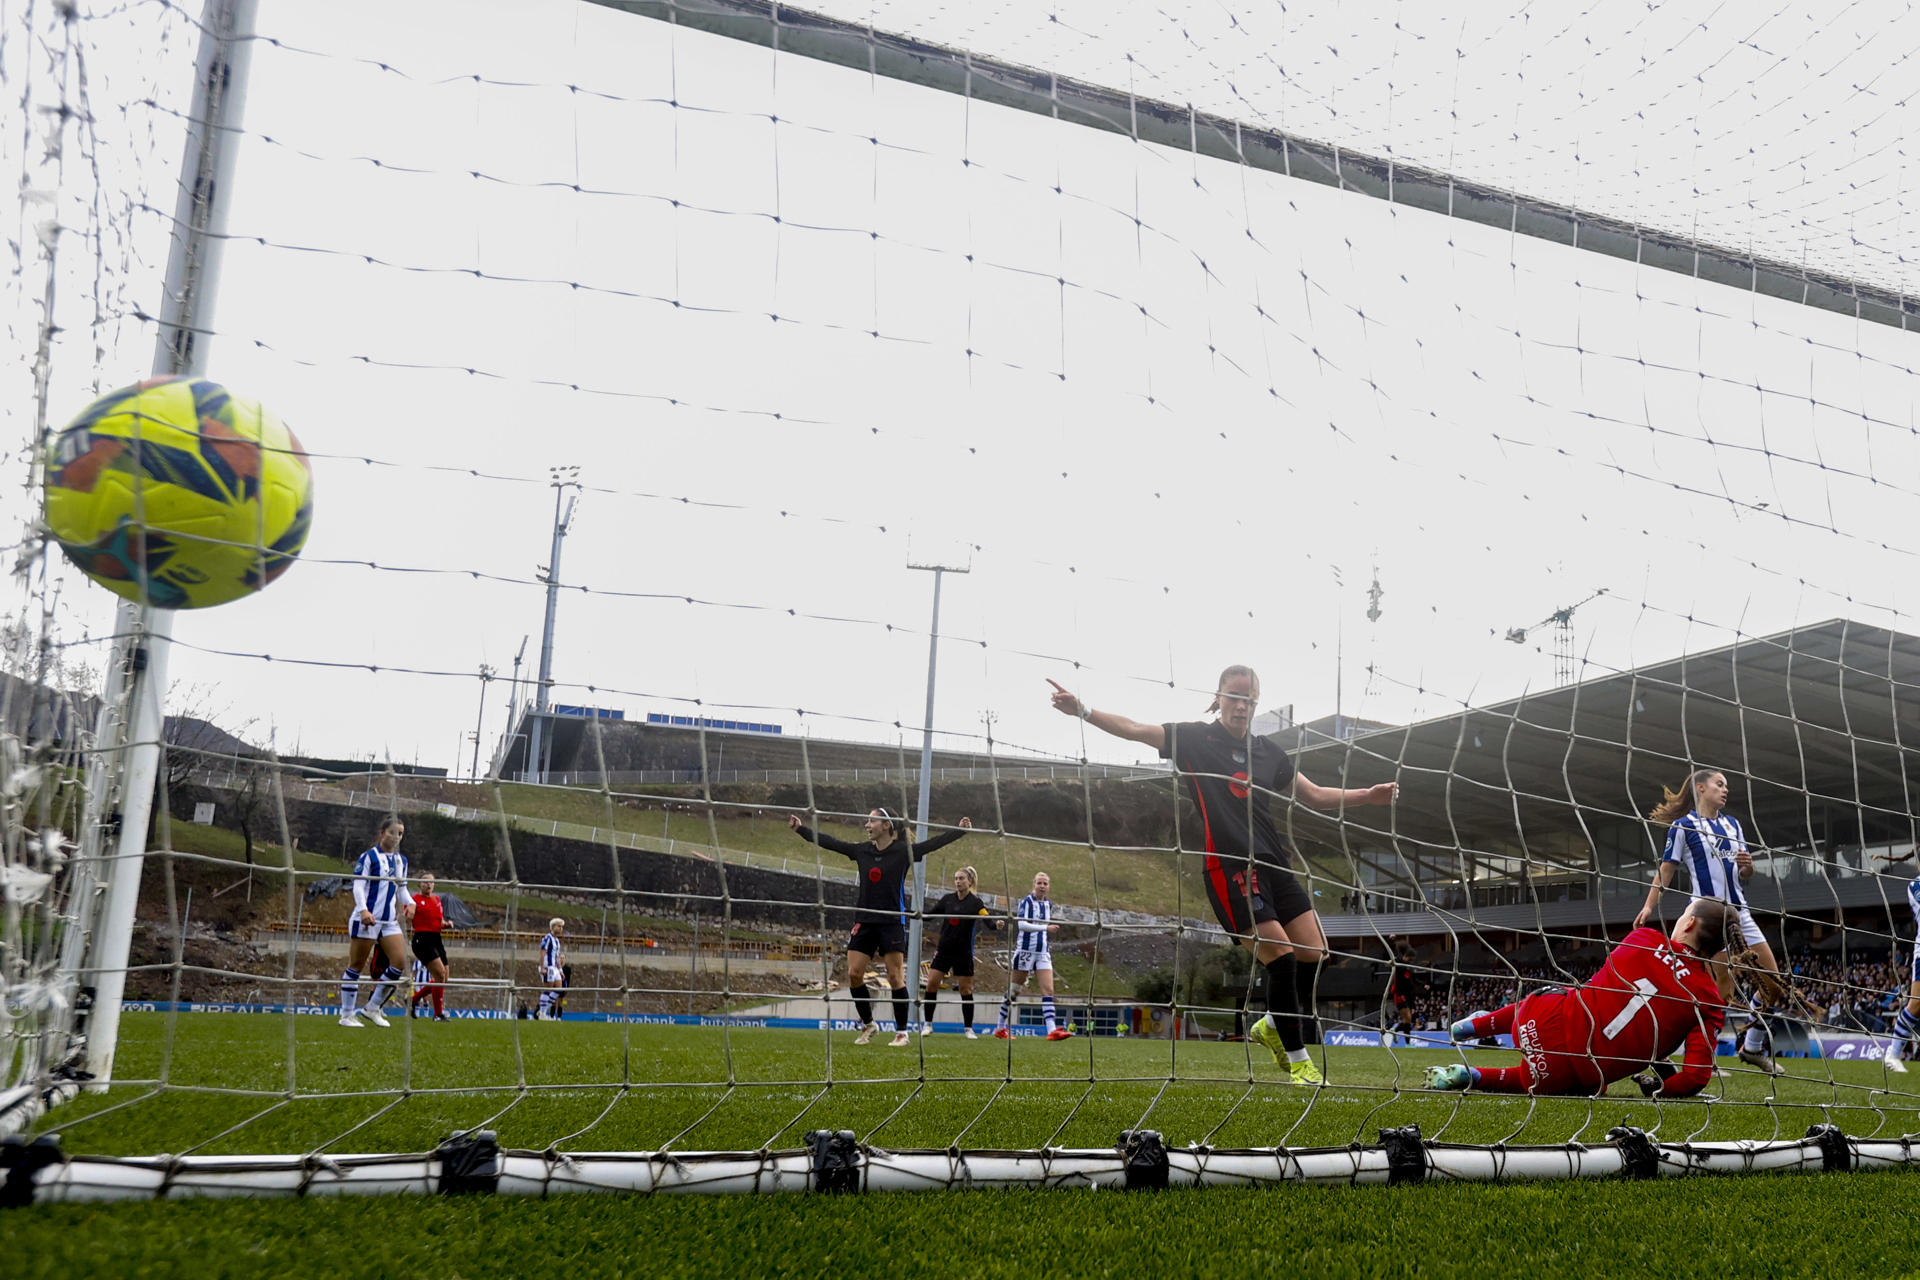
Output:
x=429 y=917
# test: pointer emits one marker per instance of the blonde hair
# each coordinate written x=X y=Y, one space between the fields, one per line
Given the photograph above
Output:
x=1676 y=804
x=556 y=923
x=973 y=877
x=1237 y=669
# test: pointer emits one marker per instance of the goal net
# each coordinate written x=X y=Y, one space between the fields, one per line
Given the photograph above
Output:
x=725 y=415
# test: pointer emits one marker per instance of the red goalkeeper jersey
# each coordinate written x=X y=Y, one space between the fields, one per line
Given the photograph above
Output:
x=427 y=917
x=1652 y=996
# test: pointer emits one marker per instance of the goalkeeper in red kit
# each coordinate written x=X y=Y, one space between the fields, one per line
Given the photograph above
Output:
x=1653 y=994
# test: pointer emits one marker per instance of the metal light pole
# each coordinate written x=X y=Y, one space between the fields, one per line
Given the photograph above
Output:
x=564 y=478
x=513 y=707
x=926 y=776
x=486 y=674
x=131 y=719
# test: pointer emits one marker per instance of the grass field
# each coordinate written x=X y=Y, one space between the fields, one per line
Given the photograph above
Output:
x=742 y=1089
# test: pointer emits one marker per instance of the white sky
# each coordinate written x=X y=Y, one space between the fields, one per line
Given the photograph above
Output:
x=1165 y=467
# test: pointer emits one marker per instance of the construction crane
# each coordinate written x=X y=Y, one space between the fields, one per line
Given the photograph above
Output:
x=1562 y=623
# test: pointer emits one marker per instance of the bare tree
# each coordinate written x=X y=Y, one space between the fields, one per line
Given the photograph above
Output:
x=195 y=744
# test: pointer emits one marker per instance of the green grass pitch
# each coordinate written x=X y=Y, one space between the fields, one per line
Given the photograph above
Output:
x=239 y=1083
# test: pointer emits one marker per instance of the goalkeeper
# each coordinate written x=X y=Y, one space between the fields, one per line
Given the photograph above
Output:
x=1653 y=994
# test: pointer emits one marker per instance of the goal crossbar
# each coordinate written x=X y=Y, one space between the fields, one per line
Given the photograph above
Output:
x=986 y=79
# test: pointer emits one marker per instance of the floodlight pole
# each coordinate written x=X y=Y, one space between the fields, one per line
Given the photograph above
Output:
x=513 y=709
x=132 y=718
x=486 y=674
x=538 y=741
x=926 y=785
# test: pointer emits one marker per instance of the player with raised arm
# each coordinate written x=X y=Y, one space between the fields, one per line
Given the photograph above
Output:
x=1906 y=1023
x=429 y=917
x=1232 y=773
x=880 y=909
x=1709 y=842
x=552 y=957
x=958 y=913
x=380 y=903
x=1033 y=954
x=1653 y=995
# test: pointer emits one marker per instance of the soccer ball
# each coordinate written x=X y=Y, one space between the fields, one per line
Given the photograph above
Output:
x=177 y=492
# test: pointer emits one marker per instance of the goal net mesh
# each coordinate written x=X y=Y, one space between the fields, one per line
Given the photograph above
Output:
x=1527 y=400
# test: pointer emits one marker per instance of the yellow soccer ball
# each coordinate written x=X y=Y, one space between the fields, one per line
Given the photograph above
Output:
x=176 y=492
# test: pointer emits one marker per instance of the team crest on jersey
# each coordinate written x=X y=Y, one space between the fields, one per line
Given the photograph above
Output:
x=873 y=874
x=1239 y=757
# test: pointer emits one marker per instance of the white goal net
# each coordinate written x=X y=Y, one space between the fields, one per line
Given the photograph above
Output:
x=1528 y=402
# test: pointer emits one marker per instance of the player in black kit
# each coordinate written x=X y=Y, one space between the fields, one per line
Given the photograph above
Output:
x=880 y=910
x=1231 y=774
x=958 y=912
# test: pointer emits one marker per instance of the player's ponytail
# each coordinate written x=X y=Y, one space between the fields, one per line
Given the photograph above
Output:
x=1677 y=804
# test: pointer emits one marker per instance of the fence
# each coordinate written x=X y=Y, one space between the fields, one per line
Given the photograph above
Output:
x=687 y=777
x=609 y=836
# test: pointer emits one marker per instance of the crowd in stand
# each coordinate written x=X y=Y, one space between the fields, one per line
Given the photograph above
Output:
x=1857 y=995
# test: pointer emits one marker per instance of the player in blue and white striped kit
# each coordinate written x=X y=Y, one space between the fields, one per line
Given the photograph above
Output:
x=1708 y=841
x=1906 y=1023
x=380 y=903
x=1032 y=923
x=551 y=957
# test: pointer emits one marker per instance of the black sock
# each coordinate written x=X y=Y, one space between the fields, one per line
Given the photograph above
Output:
x=966 y=1011
x=902 y=1008
x=1283 y=1001
x=927 y=1005
x=862 y=1005
x=1305 y=974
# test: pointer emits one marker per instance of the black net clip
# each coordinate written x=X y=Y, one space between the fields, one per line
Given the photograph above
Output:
x=1639 y=1158
x=836 y=1160
x=469 y=1164
x=1144 y=1155
x=1835 y=1150
x=20 y=1160
x=1406 y=1154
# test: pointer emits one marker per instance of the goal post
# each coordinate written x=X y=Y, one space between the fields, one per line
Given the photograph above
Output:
x=125 y=768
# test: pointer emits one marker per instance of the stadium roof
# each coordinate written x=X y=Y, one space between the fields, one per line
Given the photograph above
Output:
x=1823 y=717
x=1816 y=729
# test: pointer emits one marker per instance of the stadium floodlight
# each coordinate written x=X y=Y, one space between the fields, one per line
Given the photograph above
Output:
x=566 y=489
x=937 y=566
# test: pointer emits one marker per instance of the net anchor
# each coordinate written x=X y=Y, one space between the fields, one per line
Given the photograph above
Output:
x=1639 y=1158
x=1835 y=1151
x=21 y=1160
x=1406 y=1154
x=1144 y=1156
x=469 y=1163
x=836 y=1160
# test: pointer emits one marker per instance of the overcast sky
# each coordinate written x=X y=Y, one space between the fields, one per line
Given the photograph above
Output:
x=1182 y=411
